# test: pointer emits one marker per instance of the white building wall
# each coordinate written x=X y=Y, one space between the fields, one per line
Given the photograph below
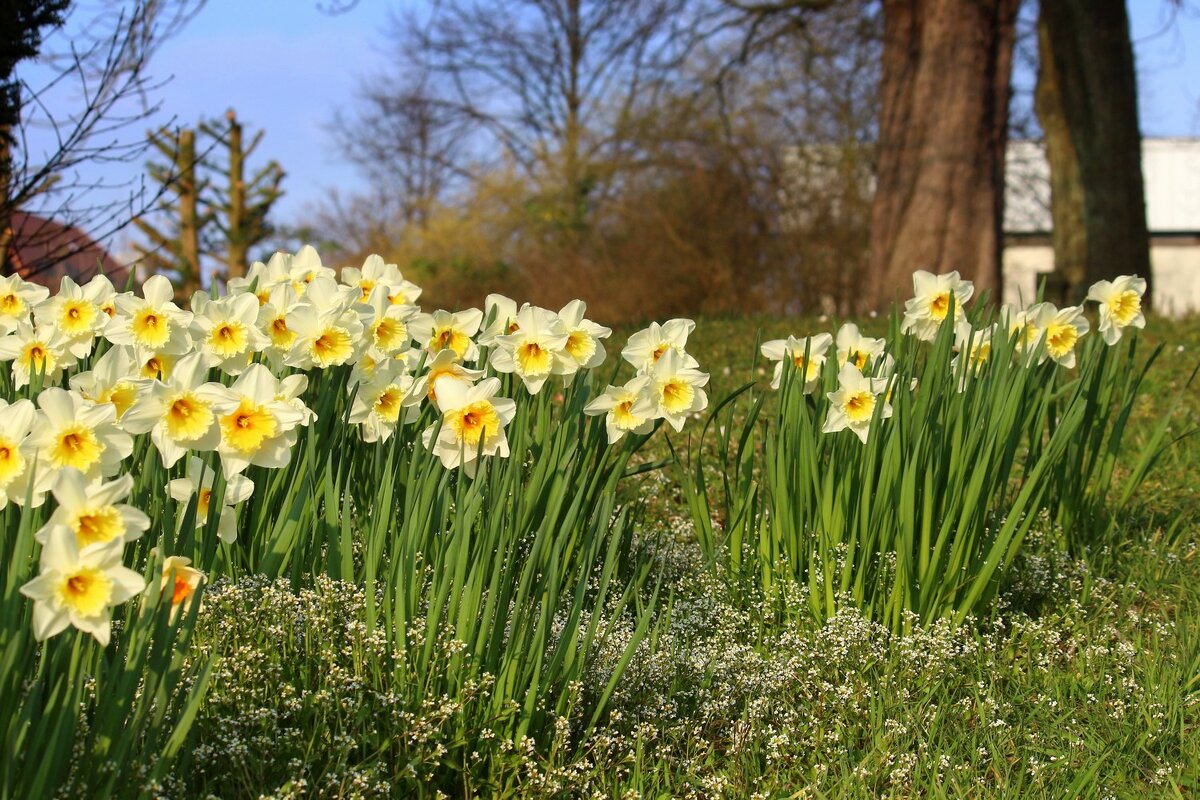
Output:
x=1174 y=267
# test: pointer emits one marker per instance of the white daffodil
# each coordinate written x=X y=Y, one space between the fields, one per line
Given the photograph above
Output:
x=101 y=292
x=617 y=404
x=1060 y=330
x=305 y=267
x=273 y=322
x=328 y=327
x=92 y=511
x=443 y=330
x=198 y=483
x=39 y=350
x=256 y=428
x=154 y=364
x=807 y=356
x=499 y=319
x=180 y=581
x=387 y=325
x=17 y=299
x=179 y=413
x=114 y=378
x=853 y=404
x=856 y=349
x=1120 y=305
x=646 y=347
x=535 y=351
x=473 y=421
x=443 y=366
x=674 y=391
x=375 y=273
x=153 y=321
x=75 y=313
x=79 y=587
x=290 y=389
x=70 y=431
x=16 y=452
x=379 y=402
x=583 y=346
x=261 y=279
x=227 y=330
x=973 y=344
x=934 y=294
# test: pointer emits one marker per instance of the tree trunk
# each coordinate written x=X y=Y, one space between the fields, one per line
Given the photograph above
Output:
x=1086 y=102
x=239 y=245
x=189 y=226
x=943 y=127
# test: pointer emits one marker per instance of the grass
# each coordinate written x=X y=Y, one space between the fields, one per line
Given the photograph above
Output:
x=1086 y=682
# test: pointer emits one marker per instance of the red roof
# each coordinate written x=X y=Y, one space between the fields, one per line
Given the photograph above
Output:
x=43 y=251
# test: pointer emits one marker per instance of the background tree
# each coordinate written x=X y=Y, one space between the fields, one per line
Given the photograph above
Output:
x=1086 y=101
x=98 y=91
x=943 y=120
x=238 y=210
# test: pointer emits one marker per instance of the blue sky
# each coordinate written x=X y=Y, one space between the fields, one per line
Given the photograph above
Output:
x=287 y=67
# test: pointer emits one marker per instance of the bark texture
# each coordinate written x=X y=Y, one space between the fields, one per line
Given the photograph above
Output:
x=943 y=127
x=1086 y=101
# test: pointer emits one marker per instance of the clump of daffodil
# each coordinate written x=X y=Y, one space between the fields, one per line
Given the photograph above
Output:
x=934 y=297
x=618 y=404
x=198 y=482
x=328 y=324
x=256 y=427
x=854 y=403
x=444 y=330
x=535 y=351
x=473 y=422
x=179 y=413
x=17 y=299
x=856 y=349
x=70 y=431
x=227 y=330
x=151 y=322
x=79 y=586
x=1120 y=303
x=1060 y=329
x=93 y=512
x=16 y=452
x=807 y=356
x=35 y=350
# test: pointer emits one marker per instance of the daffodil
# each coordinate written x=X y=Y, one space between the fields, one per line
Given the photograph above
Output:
x=114 y=378
x=153 y=321
x=198 y=483
x=674 y=391
x=444 y=330
x=273 y=322
x=854 y=403
x=305 y=267
x=39 y=350
x=1060 y=329
x=499 y=319
x=79 y=586
x=387 y=325
x=101 y=292
x=375 y=273
x=179 y=413
x=934 y=296
x=261 y=279
x=856 y=349
x=17 y=299
x=473 y=422
x=70 y=431
x=290 y=390
x=535 y=351
x=973 y=344
x=443 y=366
x=1120 y=305
x=806 y=355
x=16 y=452
x=329 y=332
x=583 y=346
x=227 y=330
x=617 y=403
x=379 y=402
x=256 y=428
x=75 y=314
x=180 y=582
x=92 y=511
x=646 y=347
x=154 y=364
